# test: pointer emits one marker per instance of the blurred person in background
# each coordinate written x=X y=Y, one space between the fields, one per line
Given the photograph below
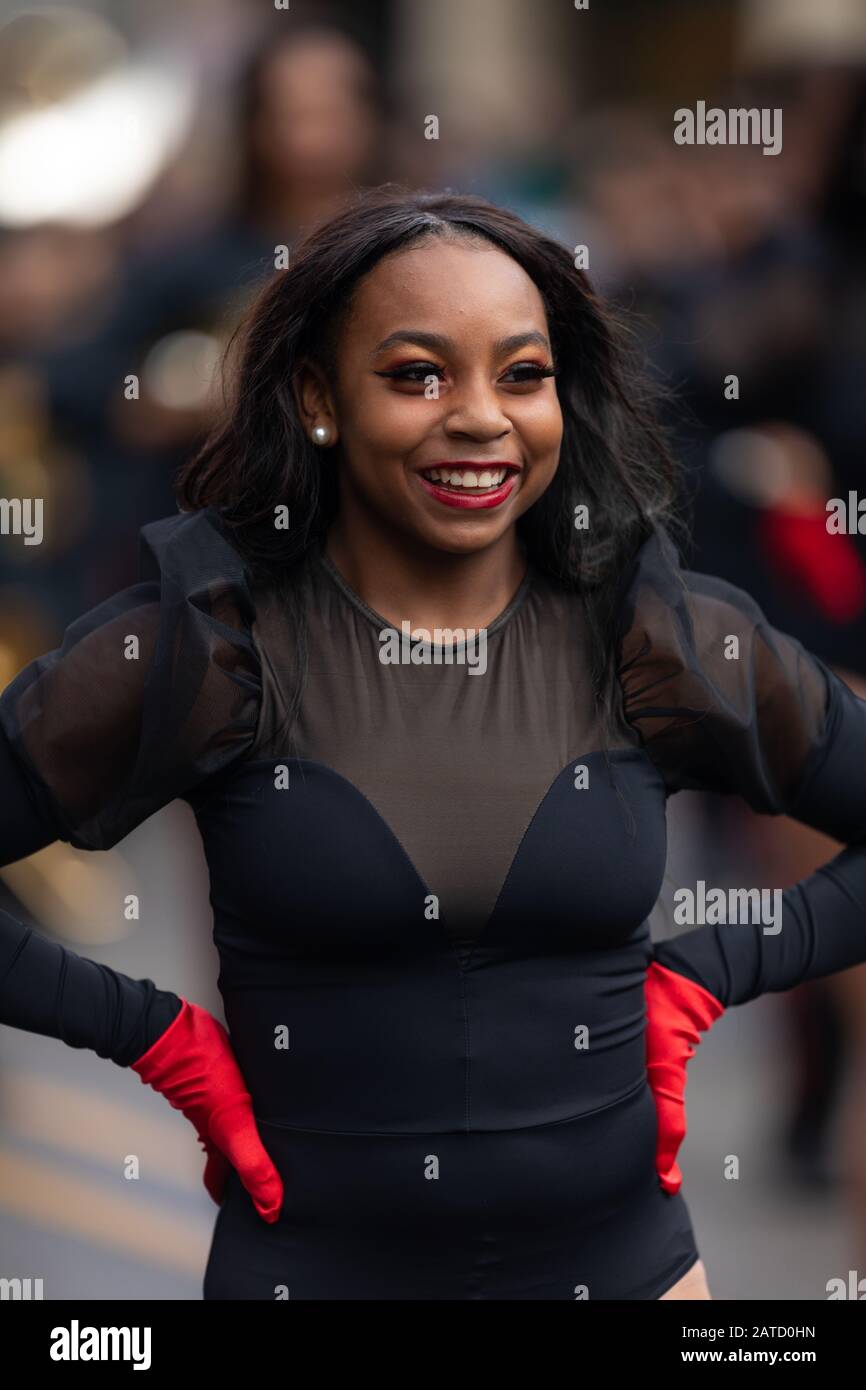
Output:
x=735 y=263
x=84 y=309
x=308 y=136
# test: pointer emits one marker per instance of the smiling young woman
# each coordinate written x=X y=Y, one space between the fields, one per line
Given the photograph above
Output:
x=455 y=1064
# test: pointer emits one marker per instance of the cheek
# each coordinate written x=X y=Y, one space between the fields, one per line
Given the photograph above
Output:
x=540 y=424
x=391 y=424
x=540 y=428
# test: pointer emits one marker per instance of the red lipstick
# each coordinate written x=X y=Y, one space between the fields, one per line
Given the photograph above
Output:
x=470 y=498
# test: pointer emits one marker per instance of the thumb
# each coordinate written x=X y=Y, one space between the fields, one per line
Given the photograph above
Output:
x=215 y=1172
x=670 y=1134
x=671 y=1179
x=232 y=1128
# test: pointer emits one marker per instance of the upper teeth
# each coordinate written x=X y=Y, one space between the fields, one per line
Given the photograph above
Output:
x=466 y=477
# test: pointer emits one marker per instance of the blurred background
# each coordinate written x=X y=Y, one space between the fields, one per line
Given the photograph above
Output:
x=153 y=161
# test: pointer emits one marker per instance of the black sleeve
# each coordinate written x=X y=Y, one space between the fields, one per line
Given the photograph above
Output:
x=46 y=988
x=725 y=703
x=25 y=826
x=149 y=694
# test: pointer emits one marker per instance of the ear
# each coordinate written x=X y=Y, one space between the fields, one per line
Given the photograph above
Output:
x=314 y=397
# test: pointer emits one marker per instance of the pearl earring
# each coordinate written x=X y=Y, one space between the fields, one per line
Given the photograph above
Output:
x=321 y=434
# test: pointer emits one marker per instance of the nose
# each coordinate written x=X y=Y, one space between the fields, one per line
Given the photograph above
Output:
x=476 y=412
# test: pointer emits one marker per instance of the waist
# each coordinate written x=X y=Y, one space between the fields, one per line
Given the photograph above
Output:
x=485 y=1051
x=577 y=1176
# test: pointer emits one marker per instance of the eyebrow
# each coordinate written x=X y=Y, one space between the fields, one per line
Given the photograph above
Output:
x=440 y=343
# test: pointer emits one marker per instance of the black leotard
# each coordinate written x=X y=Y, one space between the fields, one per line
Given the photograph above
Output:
x=430 y=896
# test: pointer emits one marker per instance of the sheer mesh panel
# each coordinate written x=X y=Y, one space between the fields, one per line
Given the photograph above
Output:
x=455 y=763
x=106 y=740
x=722 y=701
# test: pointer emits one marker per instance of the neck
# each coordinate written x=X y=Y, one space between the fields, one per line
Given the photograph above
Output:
x=430 y=588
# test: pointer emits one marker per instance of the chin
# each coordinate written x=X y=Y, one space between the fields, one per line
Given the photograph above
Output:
x=464 y=541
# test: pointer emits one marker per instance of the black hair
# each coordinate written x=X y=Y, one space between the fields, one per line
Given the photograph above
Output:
x=614 y=457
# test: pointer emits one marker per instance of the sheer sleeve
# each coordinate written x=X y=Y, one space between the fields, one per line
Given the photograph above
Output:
x=151 y=692
x=723 y=702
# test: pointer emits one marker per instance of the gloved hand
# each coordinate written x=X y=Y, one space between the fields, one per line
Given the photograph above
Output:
x=192 y=1064
x=677 y=1011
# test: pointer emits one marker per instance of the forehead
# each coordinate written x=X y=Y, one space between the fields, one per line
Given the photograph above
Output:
x=449 y=287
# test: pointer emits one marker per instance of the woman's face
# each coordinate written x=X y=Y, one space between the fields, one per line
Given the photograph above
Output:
x=443 y=400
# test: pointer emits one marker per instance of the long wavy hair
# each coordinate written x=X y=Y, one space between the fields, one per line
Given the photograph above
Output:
x=614 y=457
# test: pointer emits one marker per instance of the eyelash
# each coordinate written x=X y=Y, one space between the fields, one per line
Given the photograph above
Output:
x=429 y=369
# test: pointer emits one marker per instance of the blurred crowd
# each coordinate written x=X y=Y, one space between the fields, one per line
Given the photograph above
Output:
x=153 y=160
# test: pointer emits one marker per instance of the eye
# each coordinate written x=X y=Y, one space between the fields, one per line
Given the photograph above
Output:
x=528 y=373
x=414 y=372
x=519 y=374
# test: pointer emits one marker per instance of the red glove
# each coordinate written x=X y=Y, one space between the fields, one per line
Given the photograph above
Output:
x=677 y=1009
x=192 y=1064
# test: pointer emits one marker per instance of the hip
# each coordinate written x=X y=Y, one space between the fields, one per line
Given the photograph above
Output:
x=567 y=1210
